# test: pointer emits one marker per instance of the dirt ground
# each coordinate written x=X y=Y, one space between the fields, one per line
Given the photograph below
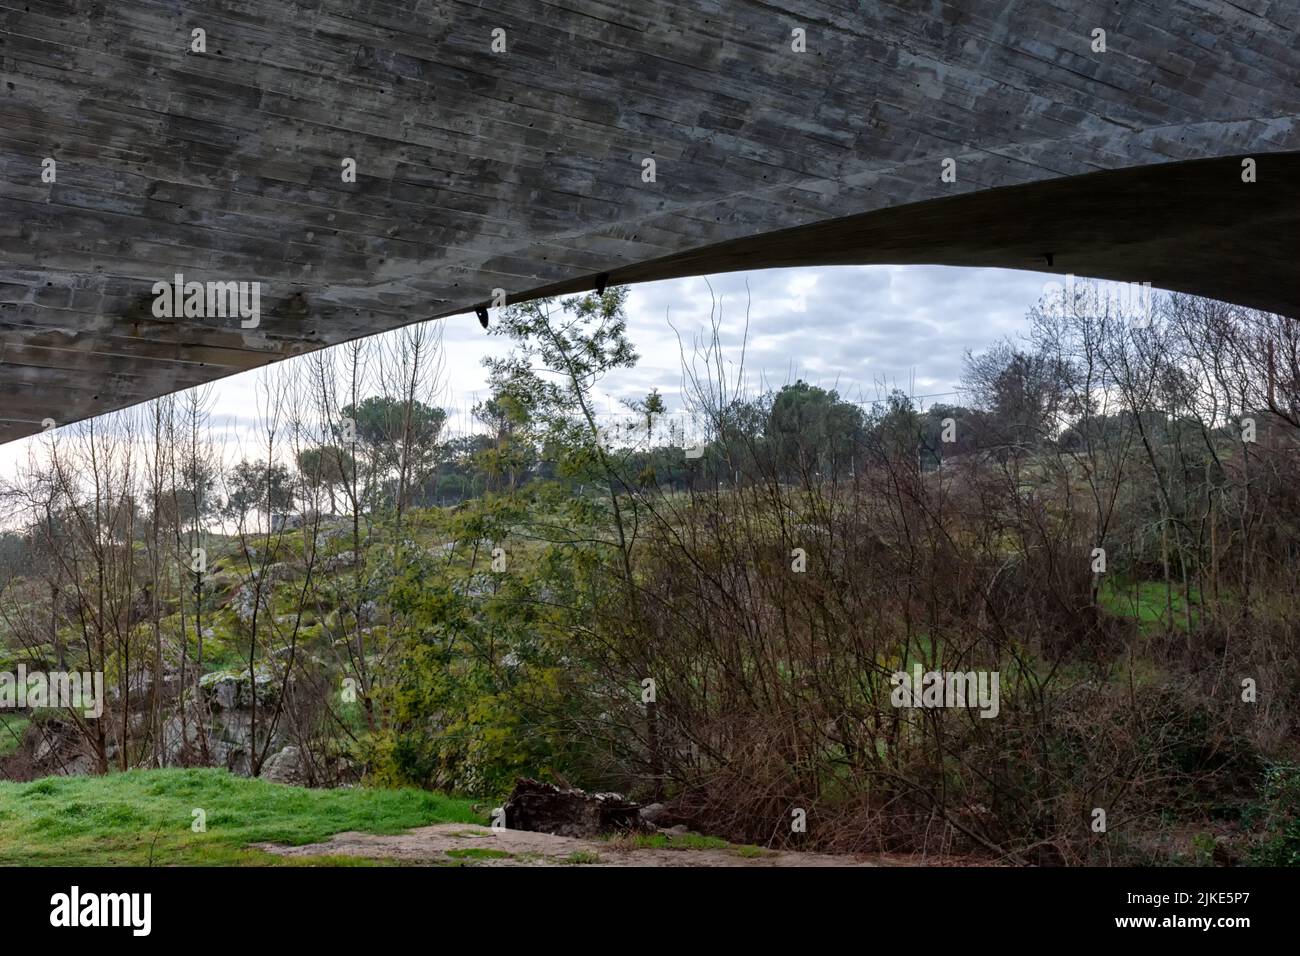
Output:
x=451 y=843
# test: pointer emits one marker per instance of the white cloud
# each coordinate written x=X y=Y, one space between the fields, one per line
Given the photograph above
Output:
x=860 y=329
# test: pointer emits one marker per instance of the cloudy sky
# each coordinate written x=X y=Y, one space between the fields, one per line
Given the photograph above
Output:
x=862 y=330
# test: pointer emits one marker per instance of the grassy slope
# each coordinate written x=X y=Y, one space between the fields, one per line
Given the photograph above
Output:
x=144 y=817
x=1145 y=602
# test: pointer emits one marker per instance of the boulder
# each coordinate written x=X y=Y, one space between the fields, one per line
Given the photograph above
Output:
x=232 y=690
x=338 y=562
x=657 y=815
x=544 y=808
x=285 y=767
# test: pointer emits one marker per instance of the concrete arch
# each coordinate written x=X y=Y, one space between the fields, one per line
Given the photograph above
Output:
x=523 y=170
x=1191 y=227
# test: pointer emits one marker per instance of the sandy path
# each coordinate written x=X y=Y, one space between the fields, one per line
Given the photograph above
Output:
x=442 y=844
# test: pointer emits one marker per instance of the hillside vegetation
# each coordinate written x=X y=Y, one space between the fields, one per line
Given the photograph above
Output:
x=709 y=610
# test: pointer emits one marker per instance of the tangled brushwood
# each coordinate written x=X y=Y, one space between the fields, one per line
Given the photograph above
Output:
x=1085 y=575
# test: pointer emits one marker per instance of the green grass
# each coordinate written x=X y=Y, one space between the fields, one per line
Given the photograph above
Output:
x=689 y=841
x=479 y=853
x=582 y=858
x=1145 y=602
x=144 y=817
x=12 y=728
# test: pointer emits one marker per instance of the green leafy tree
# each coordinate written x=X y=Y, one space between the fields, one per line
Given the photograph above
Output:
x=489 y=673
x=397 y=441
x=813 y=430
x=560 y=356
x=325 y=468
x=511 y=453
x=257 y=486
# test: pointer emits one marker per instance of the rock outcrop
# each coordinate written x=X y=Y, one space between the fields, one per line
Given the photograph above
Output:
x=544 y=808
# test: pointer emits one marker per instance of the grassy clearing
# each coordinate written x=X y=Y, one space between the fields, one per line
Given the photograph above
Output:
x=144 y=817
x=1148 y=603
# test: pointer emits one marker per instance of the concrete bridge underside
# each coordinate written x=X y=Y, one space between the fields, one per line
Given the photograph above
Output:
x=523 y=170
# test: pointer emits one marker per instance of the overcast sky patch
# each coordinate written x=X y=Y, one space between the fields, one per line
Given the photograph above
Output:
x=863 y=330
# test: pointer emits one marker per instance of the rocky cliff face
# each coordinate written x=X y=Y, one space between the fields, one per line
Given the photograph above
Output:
x=218 y=731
